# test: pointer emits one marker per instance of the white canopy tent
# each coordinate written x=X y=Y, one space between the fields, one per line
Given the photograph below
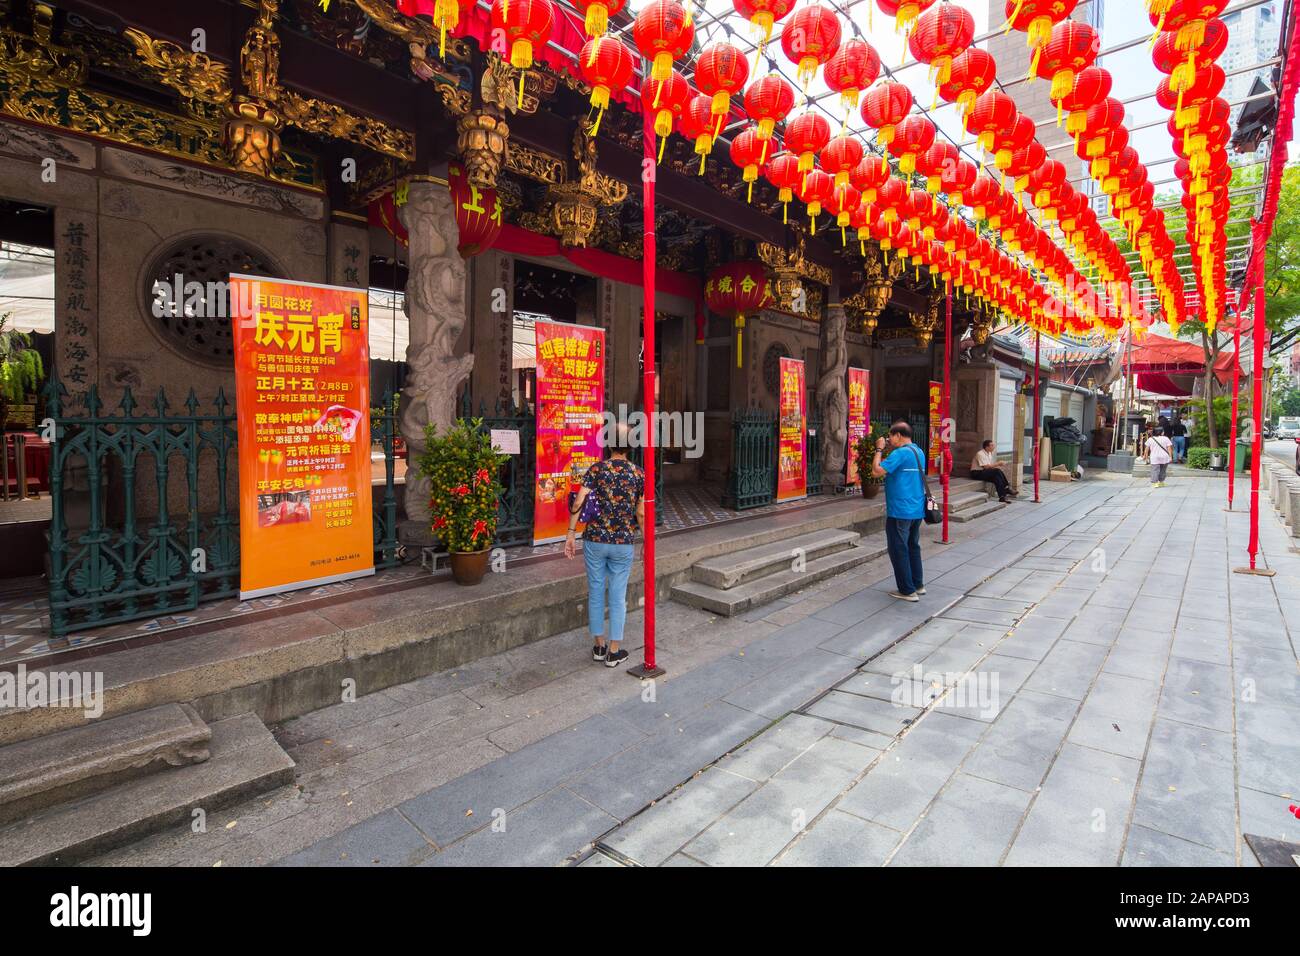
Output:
x=27 y=287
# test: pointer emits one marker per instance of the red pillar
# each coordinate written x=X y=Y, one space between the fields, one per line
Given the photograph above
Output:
x=1038 y=411
x=946 y=434
x=1236 y=387
x=648 y=668
x=1258 y=335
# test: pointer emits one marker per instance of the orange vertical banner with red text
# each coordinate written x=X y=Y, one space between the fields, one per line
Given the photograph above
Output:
x=792 y=439
x=859 y=417
x=936 y=426
x=302 y=384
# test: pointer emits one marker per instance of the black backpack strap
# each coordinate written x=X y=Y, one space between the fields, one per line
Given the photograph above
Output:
x=925 y=478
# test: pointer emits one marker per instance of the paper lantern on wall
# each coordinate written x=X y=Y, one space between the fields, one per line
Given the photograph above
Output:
x=768 y=101
x=942 y=33
x=663 y=32
x=852 y=69
x=737 y=290
x=605 y=65
x=783 y=172
x=720 y=72
x=747 y=152
x=969 y=75
x=477 y=213
x=810 y=39
x=527 y=25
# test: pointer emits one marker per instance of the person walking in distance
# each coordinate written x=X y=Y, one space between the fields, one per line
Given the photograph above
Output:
x=984 y=467
x=904 y=473
x=1160 y=452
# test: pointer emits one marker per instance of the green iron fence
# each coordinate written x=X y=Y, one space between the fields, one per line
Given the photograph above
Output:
x=814 y=452
x=515 y=512
x=109 y=563
x=751 y=482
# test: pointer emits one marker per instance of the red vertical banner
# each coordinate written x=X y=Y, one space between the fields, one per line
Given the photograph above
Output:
x=859 y=417
x=792 y=443
x=570 y=410
x=302 y=386
x=936 y=427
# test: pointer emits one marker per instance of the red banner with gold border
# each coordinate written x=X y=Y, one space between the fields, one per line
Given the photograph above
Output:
x=570 y=410
x=302 y=387
x=792 y=469
x=859 y=416
x=936 y=426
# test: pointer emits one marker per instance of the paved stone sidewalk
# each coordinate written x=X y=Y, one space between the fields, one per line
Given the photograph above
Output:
x=1145 y=710
x=557 y=752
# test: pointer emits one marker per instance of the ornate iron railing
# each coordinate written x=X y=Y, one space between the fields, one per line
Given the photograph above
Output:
x=109 y=563
x=515 y=512
x=814 y=451
x=751 y=482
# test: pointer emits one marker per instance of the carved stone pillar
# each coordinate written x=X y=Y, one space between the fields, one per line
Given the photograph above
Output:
x=832 y=398
x=435 y=310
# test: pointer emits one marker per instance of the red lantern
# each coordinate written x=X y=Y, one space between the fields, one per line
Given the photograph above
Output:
x=477 y=212
x=1046 y=183
x=840 y=157
x=943 y=32
x=890 y=197
x=667 y=99
x=1187 y=20
x=817 y=188
x=884 y=106
x=810 y=39
x=1102 y=119
x=605 y=65
x=735 y=290
x=912 y=137
x=696 y=123
x=1090 y=86
x=783 y=173
x=1036 y=18
x=852 y=69
x=763 y=14
x=868 y=176
x=992 y=112
x=1007 y=140
x=1072 y=48
x=969 y=75
x=597 y=13
x=1023 y=162
x=527 y=24
x=446 y=15
x=748 y=152
x=955 y=179
x=1186 y=104
x=663 y=32
x=904 y=12
x=768 y=101
x=805 y=135
x=721 y=72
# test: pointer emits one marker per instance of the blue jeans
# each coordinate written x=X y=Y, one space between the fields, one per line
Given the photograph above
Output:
x=1180 y=447
x=904 y=538
x=607 y=564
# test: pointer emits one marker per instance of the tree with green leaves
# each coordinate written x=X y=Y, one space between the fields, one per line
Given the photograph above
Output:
x=21 y=369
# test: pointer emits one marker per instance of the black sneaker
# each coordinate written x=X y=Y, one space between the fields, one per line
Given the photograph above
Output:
x=599 y=652
x=614 y=658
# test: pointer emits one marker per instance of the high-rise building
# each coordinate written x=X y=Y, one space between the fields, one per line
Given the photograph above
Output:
x=1253 y=37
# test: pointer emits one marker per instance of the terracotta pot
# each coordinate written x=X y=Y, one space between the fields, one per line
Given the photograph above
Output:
x=468 y=567
x=870 y=489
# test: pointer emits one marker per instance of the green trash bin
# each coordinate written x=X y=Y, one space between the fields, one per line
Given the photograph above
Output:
x=1243 y=454
x=1065 y=454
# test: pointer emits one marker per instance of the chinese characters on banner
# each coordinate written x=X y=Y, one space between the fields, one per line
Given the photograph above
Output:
x=302 y=379
x=859 y=416
x=570 y=406
x=792 y=446
x=936 y=426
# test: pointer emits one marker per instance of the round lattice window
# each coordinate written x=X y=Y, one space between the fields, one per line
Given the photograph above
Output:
x=185 y=294
x=772 y=367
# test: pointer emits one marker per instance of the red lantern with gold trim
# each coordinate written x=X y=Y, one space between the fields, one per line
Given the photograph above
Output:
x=720 y=72
x=852 y=69
x=748 y=152
x=969 y=75
x=1071 y=49
x=667 y=99
x=840 y=157
x=912 y=137
x=783 y=172
x=606 y=65
x=1037 y=18
x=477 y=213
x=810 y=39
x=663 y=32
x=596 y=14
x=942 y=33
x=768 y=101
x=696 y=124
x=527 y=25
x=763 y=15
x=904 y=12
x=805 y=136
x=868 y=176
x=737 y=290
x=884 y=106
x=1090 y=86
x=992 y=112
x=817 y=187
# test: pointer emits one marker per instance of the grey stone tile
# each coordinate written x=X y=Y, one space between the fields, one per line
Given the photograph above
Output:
x=1102 y=633
x=777 y=746
x=1200 y=641
x=792 y=683
x=546 y=832
x=882 y=717
x=1079 y=816
x=840 y=839
x=1068 y=669
x=386 y=839
x=1188 y=788
x=1153 y=848
x=600 y=859
x=977 y=615
x=787 y=642
x=914 y=688
x=984 y=692
x=681 y=859
x=1268 y=747
x=657 y=832
x=677 y=696
x=1266 y=814
x=1197 y=693
x=1116 y=715
x=1136 y=662
x=863 y=738
x=1020 y=746
x=970 y=824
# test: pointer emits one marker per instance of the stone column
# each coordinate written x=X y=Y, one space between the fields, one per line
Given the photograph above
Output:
x=436 y=315
x=832 y=397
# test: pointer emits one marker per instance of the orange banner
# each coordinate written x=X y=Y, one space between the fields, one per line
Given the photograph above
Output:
x=859 y=416
x=936 y=426
x=792 y=473
x=570 y=409
x=302 y=383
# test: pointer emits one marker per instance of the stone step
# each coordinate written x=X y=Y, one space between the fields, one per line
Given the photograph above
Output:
x=728 y=570
x=75 y=763
x=764 y=590
x=970 y=514
x=245 y=760
x=965 y=501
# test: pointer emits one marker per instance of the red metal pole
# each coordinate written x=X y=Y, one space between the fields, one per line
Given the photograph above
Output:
x=1038 y=411
x=1259 y=334
x=648 y=668
x=1236 y=387
x=945 y=433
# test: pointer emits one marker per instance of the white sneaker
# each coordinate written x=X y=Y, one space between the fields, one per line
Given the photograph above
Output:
x=920 y=590
x=904 y=597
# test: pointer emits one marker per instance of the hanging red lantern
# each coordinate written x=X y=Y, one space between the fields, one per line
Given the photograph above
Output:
x=663 y=32
x=890 y=197
x=1091 y=85
x=805 y=136
x=931 y=163
x=884 y=106
x=527 y=25
x=1045 y=184
x=1024 y=161
x=904 y=12
x=696 y=123
x=942 y=32
x=477 y=213
x=605 y=65
x=737 y=290
x=841 y=206
x=810 y=39
x=1183 y=66
x=840 y=157
x=1186 y=104
x=721 y=72
x=1187 y=21
x=783 y=173
x=852 y=69
x=763 y=14
x=1072 y=48
x=1007 y=140
x=446 y=15
x=747 y=152
x=817 y=187
x=912 y=137
x=956 y=178
x=1037 y=18
x=596 y=14
x=1102 y=119
x=768 y=101
x=969 y=75
x=667 y=99
x=868 y=176
x=992 y=113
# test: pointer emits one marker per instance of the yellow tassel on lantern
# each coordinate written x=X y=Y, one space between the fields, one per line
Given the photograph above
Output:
x=662 y=67
x=597 y=20
x=740 y=340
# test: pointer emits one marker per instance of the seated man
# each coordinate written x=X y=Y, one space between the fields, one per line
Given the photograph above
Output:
x=984 y=467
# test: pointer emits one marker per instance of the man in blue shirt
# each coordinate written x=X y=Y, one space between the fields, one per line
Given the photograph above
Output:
x=904 y=474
